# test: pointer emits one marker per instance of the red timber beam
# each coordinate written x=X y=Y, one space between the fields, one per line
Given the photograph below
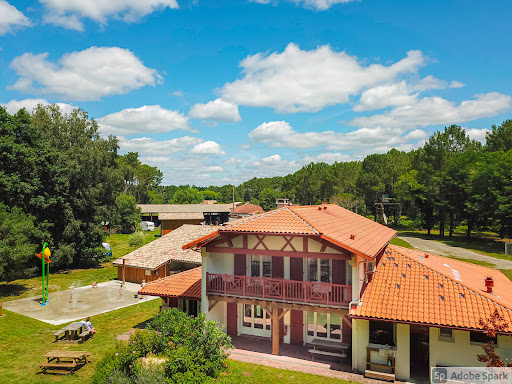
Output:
x=224 y=244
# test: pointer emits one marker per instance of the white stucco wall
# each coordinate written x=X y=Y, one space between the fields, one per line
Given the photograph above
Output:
x=360 y=339
x=461 y=351
x=403 y=352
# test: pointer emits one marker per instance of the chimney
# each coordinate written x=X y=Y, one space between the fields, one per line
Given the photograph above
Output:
x=281 y=203
x=489 y=283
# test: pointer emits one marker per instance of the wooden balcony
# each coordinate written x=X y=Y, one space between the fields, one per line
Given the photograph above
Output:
x=291 y=291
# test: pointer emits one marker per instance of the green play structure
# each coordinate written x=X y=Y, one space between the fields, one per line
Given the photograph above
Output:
x=44 y=255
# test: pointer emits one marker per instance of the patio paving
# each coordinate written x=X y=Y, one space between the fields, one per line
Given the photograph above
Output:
x=86 y=301
x=257 y=350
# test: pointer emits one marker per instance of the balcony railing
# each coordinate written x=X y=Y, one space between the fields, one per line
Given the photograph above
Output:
x=307 y=292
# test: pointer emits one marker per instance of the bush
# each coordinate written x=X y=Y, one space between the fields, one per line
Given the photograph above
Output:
x=180 y=348
x=136 y=239
x=410 y=225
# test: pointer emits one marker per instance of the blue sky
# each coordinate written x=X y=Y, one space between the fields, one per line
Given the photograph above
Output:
x=216 y=92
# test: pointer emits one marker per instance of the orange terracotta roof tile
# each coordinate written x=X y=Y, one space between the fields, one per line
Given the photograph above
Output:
x=281 y=220
x=248 y=209
x=185 y=284
x=409 y=287
x=346 y=228
x=333 y=223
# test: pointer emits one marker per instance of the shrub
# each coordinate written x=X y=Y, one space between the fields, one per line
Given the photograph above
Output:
x=183 y=349
x=136 y=239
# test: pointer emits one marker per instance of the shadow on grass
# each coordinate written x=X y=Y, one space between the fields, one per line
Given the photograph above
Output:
x=7 y=289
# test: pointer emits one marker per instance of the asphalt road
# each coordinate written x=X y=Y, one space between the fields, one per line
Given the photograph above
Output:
x=442 y=249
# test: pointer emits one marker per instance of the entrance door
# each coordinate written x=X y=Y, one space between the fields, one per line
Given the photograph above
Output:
x=420 y=357
x=325 y=326
x=255 y=321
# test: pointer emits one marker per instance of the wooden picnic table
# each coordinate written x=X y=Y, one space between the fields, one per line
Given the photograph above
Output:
x=71 y=333
x=76 y=356
x=64 y=362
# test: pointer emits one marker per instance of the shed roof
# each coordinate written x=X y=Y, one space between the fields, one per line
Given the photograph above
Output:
x=203 y=208
x=168 y=247
x=409 y=287
x=186 y=284
x=181 y=216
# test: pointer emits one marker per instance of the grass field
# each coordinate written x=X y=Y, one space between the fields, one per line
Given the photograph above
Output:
x=239 y=372
x=63 y=280
x=400 y=242
x=24 y=341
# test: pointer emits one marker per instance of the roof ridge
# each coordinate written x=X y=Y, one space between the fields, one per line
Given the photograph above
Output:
x=246 y=220
x=301 y=218
x=497 y=302
x=173 y=275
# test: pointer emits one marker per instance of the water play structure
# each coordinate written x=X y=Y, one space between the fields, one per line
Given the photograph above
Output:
x=44 y=255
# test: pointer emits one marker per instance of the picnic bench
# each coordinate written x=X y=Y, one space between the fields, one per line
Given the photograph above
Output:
x=64 y=362
x=73 y=333
x=328 y=348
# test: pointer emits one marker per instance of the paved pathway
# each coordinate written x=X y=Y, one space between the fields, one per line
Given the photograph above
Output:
x=442 y=249
x=298 y=365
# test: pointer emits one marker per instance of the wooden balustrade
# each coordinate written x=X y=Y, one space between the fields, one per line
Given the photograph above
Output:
x=307 y=292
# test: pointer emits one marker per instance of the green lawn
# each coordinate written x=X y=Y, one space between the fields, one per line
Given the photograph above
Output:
x=61 y=281
x=484 y=243
x=24 y=341
x=239 y=372
x=400 y=242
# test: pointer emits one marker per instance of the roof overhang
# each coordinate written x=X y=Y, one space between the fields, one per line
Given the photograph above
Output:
x=202 y=240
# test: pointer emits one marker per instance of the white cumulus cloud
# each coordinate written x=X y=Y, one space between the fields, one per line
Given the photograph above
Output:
x=11 y=18
x=83 y=75
x=154 y=148
x=299 y=80
x=401 y=93
x=69 y=13
x=217 y=109
x=146 y=119
x=208 y=148
x=436 y=110
x=14 y=106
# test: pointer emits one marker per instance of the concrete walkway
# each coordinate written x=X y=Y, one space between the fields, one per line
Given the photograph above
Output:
x=257 y=350
x=442 y=249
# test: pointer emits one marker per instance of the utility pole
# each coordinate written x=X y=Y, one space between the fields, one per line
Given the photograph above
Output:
x=233 y=201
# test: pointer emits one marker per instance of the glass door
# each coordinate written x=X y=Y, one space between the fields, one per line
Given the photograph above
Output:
x=318 y=270
x=256 y=321
x=325 y=326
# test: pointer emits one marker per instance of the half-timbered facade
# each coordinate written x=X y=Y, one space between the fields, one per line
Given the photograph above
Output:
x=289 y=274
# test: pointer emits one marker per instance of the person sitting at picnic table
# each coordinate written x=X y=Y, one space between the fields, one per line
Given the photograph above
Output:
x=88 y=326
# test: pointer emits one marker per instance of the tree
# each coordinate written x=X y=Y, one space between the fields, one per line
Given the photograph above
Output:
x=500 y=137
x=18 y=247
x=128 y=213
x=82 y=195
x=268 y=198
x=494 y=325
x=210 y=195
x=186 y=195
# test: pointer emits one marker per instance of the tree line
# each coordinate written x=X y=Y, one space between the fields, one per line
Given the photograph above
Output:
x=450 y=182
x=61 y=182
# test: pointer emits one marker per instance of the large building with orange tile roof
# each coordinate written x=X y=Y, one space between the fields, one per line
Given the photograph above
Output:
x=326 y=277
